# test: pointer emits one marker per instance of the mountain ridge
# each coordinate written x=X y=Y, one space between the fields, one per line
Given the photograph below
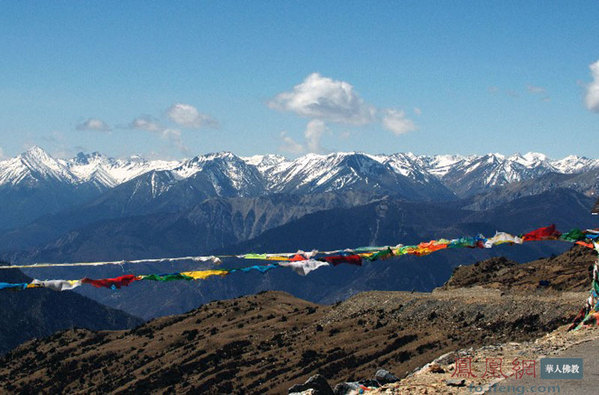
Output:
x=36 y=313
x=34 y=184
x=109 y=172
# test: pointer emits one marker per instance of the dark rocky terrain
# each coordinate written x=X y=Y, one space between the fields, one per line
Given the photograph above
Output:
x=570 y=271
x=266 y=342
x=36 y=313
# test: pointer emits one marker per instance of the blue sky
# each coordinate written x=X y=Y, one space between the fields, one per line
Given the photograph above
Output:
x=175 y=79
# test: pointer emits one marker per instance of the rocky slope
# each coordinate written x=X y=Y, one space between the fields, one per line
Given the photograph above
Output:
x=265 y=343
x=570 y=271
x=38 y=313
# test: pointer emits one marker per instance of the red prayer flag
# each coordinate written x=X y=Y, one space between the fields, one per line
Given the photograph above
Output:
x=337 y=259
x=116 y=282
x=546 y=233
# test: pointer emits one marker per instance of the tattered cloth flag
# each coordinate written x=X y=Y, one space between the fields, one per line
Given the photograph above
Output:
x=13 y=285
x=56 y=285
x=501 y=238
x=166 y=277
x=546 y=233
x=304 y=267
x=339 y=259
x=112 y=283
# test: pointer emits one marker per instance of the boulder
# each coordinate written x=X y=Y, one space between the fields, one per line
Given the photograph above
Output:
x=317 y=383
x=383 y=376
x=350 y=388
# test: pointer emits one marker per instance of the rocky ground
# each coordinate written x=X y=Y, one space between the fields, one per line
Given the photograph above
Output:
x=268 y=342
x=437 y=377
x=570 y=271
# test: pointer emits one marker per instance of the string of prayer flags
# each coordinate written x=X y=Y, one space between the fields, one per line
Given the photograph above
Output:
x=211 y=258
x=303 y=263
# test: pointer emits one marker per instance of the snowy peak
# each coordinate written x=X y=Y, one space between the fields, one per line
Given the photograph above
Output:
x=406 y=164
x=32 y=167
x=109 y=172
x=575 y=164
x=532 y=160
x=474 y=174
x=440 y=165
x=225 y=174
x=265 y=163
x=314 y=173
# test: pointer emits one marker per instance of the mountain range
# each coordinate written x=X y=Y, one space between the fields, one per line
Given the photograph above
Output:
x=34 y=184
x=93 y=207
x=259 y=174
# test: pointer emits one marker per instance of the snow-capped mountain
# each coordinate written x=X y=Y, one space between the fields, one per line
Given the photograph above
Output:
x=265 y=163
x=94 y=187
x=110 y=172
x=397 y=174
x=475 y=174
x=224 y=174
x=32 y=167
x=574 y=164
x=469 y=175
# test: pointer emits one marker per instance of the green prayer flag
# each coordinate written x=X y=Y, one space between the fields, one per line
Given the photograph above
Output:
x=167 y=277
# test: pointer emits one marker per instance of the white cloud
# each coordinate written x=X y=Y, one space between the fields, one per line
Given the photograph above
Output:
x=592 y=95
x=290 y=145
x=152 y=125
x=536 y=89
x=93 y=124
x=146 y=123
x=396 y=122
x=326 y=99
x=539 y=90
x=189 y=117
x=173 y=136
x=312 y=135
x=322 y=99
